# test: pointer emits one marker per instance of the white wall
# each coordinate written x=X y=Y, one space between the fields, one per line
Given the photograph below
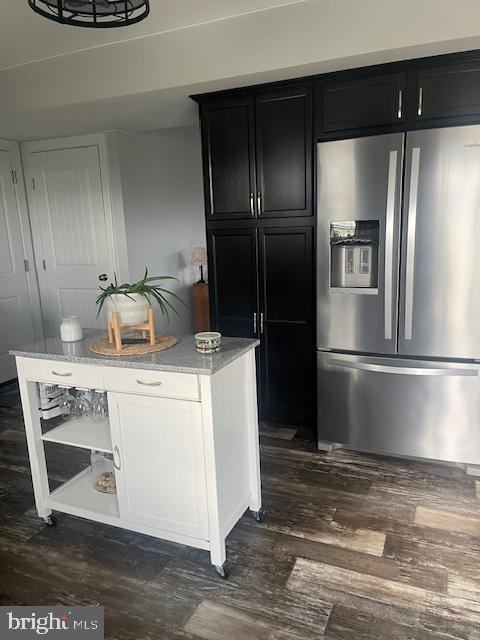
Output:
x=144 y=83
x=161 y=175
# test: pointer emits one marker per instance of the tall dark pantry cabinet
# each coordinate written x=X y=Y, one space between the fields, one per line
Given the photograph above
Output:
x=257 y=159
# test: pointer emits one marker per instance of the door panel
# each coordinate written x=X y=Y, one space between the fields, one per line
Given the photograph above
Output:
x=449 y=90
x=71 y=245
x=229 y=163
x=287 y=344
x=403 y=407
x=159 y=449
x=440 y=282
x=232 y=255
x=359 y=181
x=363 y=102
x=284 y=153
x=15 y=311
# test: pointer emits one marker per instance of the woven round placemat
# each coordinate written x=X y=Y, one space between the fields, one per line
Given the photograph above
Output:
x=162 y=341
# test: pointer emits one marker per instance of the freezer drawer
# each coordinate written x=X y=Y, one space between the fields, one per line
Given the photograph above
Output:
x=404 y=407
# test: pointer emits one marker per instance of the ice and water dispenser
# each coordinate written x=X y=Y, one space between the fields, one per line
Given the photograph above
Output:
x=354 y=254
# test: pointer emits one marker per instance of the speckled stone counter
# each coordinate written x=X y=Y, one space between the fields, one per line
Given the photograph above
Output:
x=182 y=358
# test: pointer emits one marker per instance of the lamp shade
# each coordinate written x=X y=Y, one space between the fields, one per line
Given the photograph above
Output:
x=199 y=256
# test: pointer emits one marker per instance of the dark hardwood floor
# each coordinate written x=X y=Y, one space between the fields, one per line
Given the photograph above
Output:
x=355 y=547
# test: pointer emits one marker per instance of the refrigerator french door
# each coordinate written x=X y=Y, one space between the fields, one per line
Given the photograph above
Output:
x=417 y=393
x=358 y=227
x=440 y=281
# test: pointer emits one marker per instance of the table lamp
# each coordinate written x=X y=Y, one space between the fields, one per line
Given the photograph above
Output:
x=199 y=259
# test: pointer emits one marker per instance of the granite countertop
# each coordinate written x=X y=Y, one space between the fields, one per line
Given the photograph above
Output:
x=182 y=358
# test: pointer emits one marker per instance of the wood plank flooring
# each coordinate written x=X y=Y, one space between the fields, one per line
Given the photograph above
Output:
x=354 y=546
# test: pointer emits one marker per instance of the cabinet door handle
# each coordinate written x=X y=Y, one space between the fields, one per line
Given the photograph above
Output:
x=259 y=203
x=62 y=375
x=400 y=104
x=252 y=204
x=255 y=323
x=261 y=322
x=420 y=101
x=149 y=384
x=116 y=456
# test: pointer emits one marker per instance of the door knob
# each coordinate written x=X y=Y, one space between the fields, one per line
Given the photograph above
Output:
x=103 y=277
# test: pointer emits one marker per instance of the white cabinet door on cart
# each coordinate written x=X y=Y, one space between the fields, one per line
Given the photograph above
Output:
x=159 y=461
x=70 y=232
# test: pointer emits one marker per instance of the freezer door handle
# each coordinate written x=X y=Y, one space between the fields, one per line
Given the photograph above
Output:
x=404 y=371
x=411 y=231
x=389 y=231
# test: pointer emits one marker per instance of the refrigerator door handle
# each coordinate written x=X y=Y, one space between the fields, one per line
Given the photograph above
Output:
x=406 y=371
x=411 y=230
x=389 y=231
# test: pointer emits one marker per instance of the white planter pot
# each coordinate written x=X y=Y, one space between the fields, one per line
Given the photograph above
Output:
x=131 y=311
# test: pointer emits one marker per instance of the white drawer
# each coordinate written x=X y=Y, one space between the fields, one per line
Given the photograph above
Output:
x=152 y=383
x=63 y=373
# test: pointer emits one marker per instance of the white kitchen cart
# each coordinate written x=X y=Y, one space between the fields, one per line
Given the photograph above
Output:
x=185 y=445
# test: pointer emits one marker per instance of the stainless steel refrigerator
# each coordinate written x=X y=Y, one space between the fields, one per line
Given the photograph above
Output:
x=398 y=293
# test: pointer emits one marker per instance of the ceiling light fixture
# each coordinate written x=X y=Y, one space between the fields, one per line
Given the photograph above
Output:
x=93 y=13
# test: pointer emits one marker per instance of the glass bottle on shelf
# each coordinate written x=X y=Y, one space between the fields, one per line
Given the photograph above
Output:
x=103 y=474
x=68 y=405
x=84 y=405
x=100 y=406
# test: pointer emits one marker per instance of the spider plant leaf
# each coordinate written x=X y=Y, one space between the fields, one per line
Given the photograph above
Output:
x=174 y=295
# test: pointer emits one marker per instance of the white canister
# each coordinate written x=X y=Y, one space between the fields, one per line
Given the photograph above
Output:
x=71 y=329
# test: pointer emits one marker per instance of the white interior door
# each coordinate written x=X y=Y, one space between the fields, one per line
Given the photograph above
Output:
x=70 y=233
x=158 y=452
x=16 y=323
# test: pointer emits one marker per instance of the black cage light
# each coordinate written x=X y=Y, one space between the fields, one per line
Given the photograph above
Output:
x=93 y=13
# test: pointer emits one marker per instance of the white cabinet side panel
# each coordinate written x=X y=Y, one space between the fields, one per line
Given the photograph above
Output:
x=231 y=416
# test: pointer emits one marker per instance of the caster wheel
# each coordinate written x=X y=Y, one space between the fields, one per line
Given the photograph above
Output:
x=222 y=572
x=50 y=521
x=258 y=516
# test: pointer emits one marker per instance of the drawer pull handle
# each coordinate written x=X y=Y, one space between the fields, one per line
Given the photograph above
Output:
x=62 y=375
x=149 y=384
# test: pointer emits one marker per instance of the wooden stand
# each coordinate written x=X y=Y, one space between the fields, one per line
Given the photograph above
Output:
x=115 y=329
x=200 y=306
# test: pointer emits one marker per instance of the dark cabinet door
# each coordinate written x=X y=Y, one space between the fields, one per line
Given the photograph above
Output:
x=362 y=102
x=232 y=262
x=286 y=324
x=283 y=126
x=229 y=159
x=449 y=90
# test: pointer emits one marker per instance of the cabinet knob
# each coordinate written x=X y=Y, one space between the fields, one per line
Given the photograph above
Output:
x=103 y=277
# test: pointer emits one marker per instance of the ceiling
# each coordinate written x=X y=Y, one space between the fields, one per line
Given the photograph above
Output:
x=27 y=37
x=57 y=80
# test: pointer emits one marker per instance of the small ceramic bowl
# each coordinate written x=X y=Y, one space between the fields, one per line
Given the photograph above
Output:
x=208 y=341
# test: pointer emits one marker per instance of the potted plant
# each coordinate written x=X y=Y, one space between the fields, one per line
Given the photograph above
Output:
x=132 y=301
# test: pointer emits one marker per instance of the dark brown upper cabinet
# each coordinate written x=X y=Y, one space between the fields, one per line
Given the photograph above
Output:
x=283 y=128
x=449 y=90
x=361 y=102
x=257 y=155
x=229 y=159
